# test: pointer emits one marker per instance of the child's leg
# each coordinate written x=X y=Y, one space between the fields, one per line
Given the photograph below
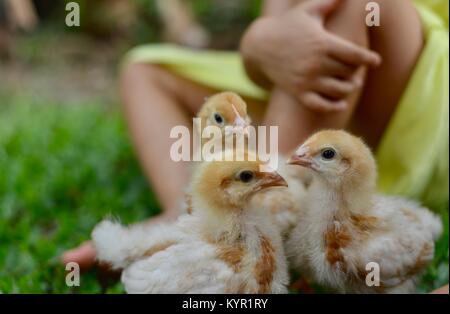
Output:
x=398 y=39
x=155 y=101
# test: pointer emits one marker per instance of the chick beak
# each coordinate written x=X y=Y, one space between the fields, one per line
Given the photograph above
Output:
x=241 y=126
x=271 y=179
x=301 y=160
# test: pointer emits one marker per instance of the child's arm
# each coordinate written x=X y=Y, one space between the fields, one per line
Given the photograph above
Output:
x=295 y=52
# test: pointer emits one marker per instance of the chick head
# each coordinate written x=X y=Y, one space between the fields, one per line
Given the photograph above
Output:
x=338 y=158
x=228 y=185
x=225 y=109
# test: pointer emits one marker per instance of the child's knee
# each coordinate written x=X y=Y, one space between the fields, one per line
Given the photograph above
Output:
x=139 y=72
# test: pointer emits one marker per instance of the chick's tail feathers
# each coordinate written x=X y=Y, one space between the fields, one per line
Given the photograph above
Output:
x=119 y=246
x=432 y=222
x=437 y=227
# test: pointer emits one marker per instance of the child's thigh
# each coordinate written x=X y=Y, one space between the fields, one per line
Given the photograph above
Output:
x=189 y=94
x=155 y=81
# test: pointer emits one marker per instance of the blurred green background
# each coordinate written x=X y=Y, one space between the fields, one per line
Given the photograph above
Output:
x=65 y=157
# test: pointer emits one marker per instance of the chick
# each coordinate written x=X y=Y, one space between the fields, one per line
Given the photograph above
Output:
x=222 y=110
x=223 y=246
x=345 y=225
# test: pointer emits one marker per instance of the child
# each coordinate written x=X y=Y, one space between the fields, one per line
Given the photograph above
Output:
x=314 y=71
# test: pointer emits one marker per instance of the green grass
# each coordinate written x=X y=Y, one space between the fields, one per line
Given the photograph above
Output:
x=64 y=168
x=437 y=273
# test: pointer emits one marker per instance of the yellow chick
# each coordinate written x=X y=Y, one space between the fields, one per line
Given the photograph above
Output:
x=224 y=246
x=348 y=237
x=225 y=109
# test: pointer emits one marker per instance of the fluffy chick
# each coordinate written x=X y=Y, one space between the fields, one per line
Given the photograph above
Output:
x=224 y=246
x=225 y=109
x=345 y=225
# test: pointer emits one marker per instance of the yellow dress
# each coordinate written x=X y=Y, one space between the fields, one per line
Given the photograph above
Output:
x=413 y=156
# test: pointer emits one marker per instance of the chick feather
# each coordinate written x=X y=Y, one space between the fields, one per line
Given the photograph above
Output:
x=119 y=246
x=284 y=205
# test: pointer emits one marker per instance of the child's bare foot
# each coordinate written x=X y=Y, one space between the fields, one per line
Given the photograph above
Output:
x=84 y=255
x=442 y=290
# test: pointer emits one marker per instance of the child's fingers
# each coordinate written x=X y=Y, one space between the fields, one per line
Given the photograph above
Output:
x=320 y=104
x=321 y=8
x=332 y=67
x=334 y=88
x=350 y=53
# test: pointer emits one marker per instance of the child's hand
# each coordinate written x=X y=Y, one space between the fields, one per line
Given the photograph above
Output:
x=296 y=53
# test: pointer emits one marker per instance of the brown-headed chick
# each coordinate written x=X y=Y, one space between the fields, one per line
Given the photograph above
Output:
x=345 y=227
x=223 y=246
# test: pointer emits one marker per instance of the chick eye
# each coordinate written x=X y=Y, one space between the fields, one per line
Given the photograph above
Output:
x=328 y=153
x=246 y=176
x=218 y=118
